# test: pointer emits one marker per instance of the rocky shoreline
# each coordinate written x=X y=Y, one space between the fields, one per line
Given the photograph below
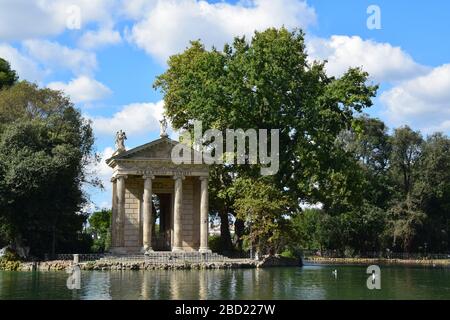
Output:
x=118 y=264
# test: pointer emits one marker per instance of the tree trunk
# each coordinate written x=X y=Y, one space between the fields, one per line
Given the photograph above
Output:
x=239 y=228
x=225 y=231
x=53 y=253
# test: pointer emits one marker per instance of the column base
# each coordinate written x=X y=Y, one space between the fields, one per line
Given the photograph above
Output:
x=204 y=250
x=177 y=249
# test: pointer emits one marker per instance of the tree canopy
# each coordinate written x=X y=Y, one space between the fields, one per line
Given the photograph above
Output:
x=45 y=146
x=268 y=82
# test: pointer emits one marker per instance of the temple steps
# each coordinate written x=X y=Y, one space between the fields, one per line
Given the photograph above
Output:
x=168 y=257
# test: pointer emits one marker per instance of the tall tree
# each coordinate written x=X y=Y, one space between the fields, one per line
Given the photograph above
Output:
x=432 y=190
x=406 y=150
x=370 y=144
x=268 y=83
x=406 y=215
x=45 y=146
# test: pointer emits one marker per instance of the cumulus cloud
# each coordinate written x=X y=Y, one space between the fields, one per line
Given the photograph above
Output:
x=135 y=119
x=82 y=89
x=24 y=19
x=422 y=102
x=56 y=56
x=26 y=67
x=168 y=26
x=99 y=38
x=383 y=61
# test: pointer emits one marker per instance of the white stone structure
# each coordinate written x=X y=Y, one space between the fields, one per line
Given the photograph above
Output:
x=157 y=205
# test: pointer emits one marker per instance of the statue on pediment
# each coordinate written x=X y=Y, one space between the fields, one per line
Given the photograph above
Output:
x=120 y=140
x=163 y=127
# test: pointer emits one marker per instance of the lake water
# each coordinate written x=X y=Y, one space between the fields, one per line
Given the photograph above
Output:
x=308 y=282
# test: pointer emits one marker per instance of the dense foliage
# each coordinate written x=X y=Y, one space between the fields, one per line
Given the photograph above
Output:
x=45 y=146
x=376 y=190
x=406 y=197
x=99 y=229
x=268 y=83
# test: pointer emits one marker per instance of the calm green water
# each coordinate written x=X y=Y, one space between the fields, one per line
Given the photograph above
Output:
x=309 y=282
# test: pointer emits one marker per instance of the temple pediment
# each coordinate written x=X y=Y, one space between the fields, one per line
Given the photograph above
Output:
x=160 y=149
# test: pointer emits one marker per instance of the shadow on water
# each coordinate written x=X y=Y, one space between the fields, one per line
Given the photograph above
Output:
x=309 y=282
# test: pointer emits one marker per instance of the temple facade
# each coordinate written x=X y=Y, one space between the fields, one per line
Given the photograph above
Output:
x=157 y=205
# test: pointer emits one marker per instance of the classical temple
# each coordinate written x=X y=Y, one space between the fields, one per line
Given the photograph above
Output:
x=157 y=205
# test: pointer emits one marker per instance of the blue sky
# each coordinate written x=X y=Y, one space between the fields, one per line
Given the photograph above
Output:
x=105 y=54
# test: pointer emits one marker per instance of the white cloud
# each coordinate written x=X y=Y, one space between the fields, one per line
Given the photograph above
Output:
x=24 y=19
x=102 y=37
x=82 y=89
x=168 y=26
x=25 y=67
x=422 y=102
x=135 y=119
x=137 y=9
x=100 y=170
x=56 y=56
x=382 y=61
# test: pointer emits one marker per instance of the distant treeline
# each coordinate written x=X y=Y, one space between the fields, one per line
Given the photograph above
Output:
x=403 y=195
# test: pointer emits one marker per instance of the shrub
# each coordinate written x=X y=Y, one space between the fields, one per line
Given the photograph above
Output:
x=214 y=243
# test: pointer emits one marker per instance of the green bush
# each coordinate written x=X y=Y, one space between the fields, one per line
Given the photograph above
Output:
x=214 y=243
x=291 y=253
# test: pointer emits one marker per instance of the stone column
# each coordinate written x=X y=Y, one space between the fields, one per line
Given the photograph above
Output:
x=114 y=214
x=178 y=200
x=120 y=210
x=204 y=206
x=148 y=215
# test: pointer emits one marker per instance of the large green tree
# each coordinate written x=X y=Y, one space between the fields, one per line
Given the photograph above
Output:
x=45 y=146
x=268 y=82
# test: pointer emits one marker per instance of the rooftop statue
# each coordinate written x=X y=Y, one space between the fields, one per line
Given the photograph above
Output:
x=120 y=140
x=163 y=127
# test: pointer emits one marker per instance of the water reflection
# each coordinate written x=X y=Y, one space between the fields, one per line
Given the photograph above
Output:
x=310 y=282
x=97 y=284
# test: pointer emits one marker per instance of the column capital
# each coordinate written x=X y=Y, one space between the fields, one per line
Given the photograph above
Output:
x=148 y=176
x=203 y=178
x=118 y=176
x=178 y=176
